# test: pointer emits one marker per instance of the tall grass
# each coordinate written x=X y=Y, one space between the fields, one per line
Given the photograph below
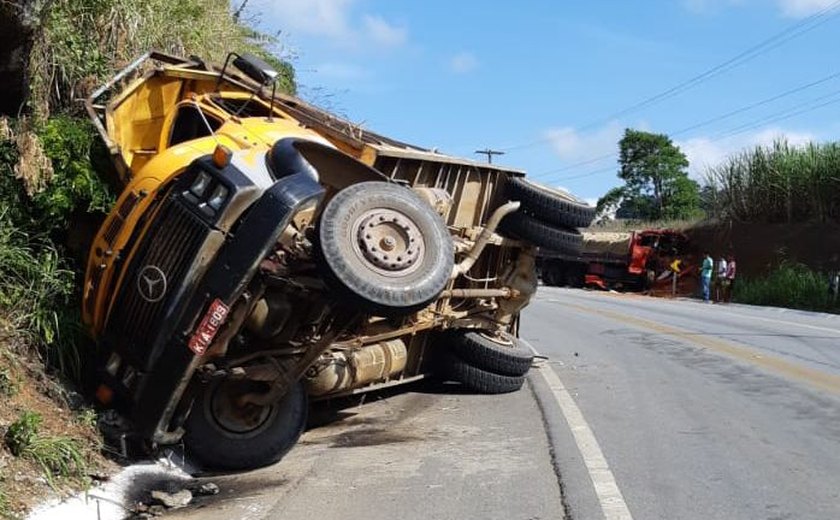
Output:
x=85 y=41
x=779 y=184
x=789 y=285
x=58 y=456
x=37 y=297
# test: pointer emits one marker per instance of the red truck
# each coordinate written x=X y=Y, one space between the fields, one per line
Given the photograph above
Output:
x=630 y=261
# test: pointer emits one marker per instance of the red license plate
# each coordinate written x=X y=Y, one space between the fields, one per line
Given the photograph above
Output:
x=209 y=326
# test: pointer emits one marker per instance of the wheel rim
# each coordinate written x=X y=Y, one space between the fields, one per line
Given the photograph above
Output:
x=230 y=417
x=499 y=338
x=388 y=242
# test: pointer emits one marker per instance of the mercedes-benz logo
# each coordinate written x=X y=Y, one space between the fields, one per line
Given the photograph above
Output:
x=151 y=283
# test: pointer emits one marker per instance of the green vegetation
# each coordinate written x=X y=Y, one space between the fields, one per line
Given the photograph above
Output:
x=38 y=293
x=656 y=183
x=21 y=433
x=51 y=170
x=5 y=507
x=86 y=40
x=778 y=184
x=789 y=285
x=8 y=385
x=57 y=456
x=87 y=417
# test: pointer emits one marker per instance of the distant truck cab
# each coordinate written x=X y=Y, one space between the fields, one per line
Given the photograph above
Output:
x=630 y=261
x=263 y=253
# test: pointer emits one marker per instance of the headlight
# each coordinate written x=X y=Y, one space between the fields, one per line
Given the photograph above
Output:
x=218 y=197
x=199 y=186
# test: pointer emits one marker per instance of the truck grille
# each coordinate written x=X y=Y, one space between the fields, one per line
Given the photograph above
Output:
x=157 y=273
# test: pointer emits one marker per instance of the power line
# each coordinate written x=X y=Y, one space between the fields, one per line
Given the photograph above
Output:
x=781 y=116
x=774 y=118
x=757 y=104
x=792 y=32
x=716 y=119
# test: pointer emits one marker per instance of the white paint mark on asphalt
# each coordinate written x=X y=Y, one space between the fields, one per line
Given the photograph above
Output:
x=606 y=488
x=657 y=304
x=785 y=322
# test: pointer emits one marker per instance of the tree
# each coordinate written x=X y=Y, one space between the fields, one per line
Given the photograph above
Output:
x=655 y=175
x=608 y=205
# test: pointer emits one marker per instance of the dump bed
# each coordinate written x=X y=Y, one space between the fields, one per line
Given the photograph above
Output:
x=473 y=185
x=132 y=139
x=613 y=246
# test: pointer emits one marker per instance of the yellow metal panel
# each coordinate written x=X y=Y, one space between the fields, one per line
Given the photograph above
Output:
x=136 y=123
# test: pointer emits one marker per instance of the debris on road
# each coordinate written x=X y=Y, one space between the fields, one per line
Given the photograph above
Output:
x=175 y=500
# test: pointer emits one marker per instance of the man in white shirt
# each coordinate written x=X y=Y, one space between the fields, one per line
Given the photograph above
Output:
x=720 y=276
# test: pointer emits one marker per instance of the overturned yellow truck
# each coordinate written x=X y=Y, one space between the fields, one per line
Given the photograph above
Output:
x=263 y=253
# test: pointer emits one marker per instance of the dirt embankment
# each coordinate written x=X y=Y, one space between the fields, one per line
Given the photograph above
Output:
x=759 y=247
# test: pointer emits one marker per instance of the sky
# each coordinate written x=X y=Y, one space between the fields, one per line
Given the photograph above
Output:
x=549 y=82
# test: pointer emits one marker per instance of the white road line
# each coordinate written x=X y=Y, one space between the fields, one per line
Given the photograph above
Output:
x=657 y=307
x=606 y=489
x=785 y=322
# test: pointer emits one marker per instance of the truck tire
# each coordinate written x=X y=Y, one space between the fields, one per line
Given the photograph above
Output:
x=549 y=205
x=385 y=247
x=501 y=354
x=541 y=234
x=480 y=380
x=554 y=272
x=547 y=274
x=224 y=436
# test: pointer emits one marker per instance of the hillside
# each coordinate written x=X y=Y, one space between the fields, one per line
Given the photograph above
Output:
x=54 y=189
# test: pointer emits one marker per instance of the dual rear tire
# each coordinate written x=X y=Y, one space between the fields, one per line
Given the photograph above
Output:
x=488 y=363
x=547 y=218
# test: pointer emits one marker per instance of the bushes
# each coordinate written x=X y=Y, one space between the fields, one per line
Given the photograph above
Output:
x=789 y=285
x=779 y=184
x=38 y=292
x=86 y=40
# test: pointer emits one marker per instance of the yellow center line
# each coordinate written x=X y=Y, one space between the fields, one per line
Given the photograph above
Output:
x=782 y=367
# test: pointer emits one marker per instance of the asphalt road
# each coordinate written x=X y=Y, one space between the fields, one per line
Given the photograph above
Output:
x=700 y=411
x=646 y=409
x=427 y=452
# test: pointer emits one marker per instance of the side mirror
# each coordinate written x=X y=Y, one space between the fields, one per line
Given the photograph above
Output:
x=255 y=68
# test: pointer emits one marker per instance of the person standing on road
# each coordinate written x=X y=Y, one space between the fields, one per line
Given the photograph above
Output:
x=729 y=281
x=720 y=279
x=706 y=275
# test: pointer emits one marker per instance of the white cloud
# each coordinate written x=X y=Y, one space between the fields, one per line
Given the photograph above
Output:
x=704 y=152
x=328 y=18
x=382 y=32
x=570 y=145
x=335 y=20
x=463 y=62
x=802 y=8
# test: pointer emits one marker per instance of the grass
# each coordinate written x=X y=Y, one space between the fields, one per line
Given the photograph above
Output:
x=8 y=384
x=22 y=432
x=37 y=294
x=789 y=285
x=5 y=506
x=57 y=456
x=778 y=184
x=85 y=41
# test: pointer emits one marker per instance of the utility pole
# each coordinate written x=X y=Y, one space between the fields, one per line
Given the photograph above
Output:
x=489 y=153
